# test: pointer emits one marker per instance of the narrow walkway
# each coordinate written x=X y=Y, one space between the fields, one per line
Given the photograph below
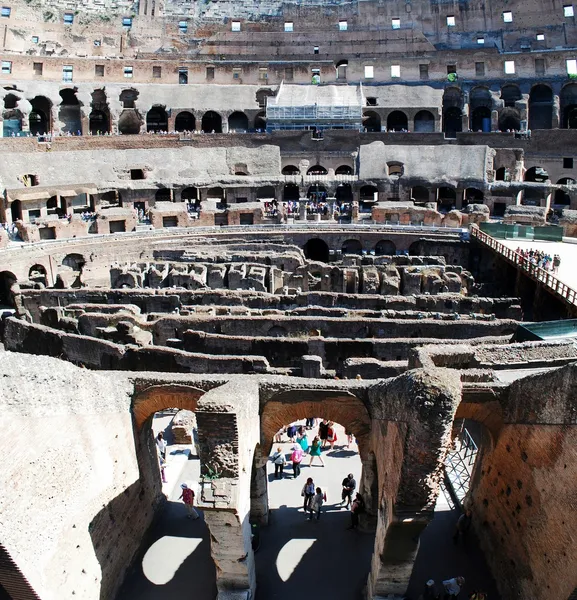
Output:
x=439 y=558
x=323 y=560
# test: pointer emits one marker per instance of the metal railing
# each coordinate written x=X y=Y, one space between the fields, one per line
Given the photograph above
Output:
x=460 y=462
x=548 y=279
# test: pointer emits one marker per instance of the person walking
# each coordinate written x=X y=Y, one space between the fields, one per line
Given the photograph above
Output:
x=357 y=508
x=161 y=444
x=463 y=525
x=323 y=431
x=162 y=464
x=303 y=441
x=316 y=451
x=279 y=461
x=430 y=591
x=349 y=485
x=187 y=496
x=331 y=434
x=307 y=493
x=291 y=432
x=296 y=459
x=316 y=503
x=453 y=587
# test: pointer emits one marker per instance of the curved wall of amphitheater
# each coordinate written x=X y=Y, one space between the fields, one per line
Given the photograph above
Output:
x=257 y=212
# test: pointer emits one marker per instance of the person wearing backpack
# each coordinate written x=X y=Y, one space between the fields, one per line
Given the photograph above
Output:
x=357 y=507
x=296 y=459
x=279 y=461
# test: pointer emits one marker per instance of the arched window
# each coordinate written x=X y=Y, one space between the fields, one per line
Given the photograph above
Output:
x=420 y=194
x=98 y=122
x=541 y=107
x=317 y=170
x=344 y=170
x=185 y=121
x=352 y=247
x=156 y=119
x=69 y=112
x=163 y=195
x=424 y=122
x=290 y=170
x=211 y=122
x=371 y=121
x=238 y=122
x=397 y=121
x=40 y=116
x=536 y=175
x=452 y=111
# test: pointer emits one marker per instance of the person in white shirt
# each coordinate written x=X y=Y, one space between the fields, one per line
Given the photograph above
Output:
x=161 y=445
x=453 y=587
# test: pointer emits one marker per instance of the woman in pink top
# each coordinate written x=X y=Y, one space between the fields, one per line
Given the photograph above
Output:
x=296 y=458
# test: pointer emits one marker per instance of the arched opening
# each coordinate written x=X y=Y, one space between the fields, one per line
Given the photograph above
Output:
x=344 y=170
x=395 y=169
x=568 y=105
x=509 y=120
x=163 y=195
x=317 y=250
x=344 y=193
x=562 y=197
x=156 y=119
x=371 y=121
x=385 y=248
x=16 y=210
x=171 y=410
x=129 y=122
x=12 y=116
x=7 y=282
x=40 y=118
x=290 y=170
x=341 y=69
x=536 y=174
x=480 y=104
x=74 y=261
x=447 y=198
x=37 y=273
x=473 y=196
x=420 y=194
x=217 y=194
x=53 y=207
x=290 y=192
x=238 y=122
x=352 y=247
x=397 y=121
x=317 y=170
x=69 y=112
x=189 y=194
x=266 y=192
x=98 y=122
x=185 y=121
x=211 y=122
x=510 y=94
x=541 y=107
x=262 y=96
x=290 y=413
x=452 y=112
x=128 y=98
x=260 y=121
x=424 y=122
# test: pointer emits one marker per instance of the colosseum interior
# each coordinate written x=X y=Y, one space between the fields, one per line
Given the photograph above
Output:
x=228 y=217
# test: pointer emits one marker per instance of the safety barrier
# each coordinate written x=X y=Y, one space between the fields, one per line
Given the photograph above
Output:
x=549 y=281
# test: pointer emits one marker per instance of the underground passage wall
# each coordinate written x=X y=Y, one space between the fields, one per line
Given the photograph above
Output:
x=524 y=493
x=73 y=511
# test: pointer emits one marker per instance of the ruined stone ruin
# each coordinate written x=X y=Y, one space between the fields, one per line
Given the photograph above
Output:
x=259 y=211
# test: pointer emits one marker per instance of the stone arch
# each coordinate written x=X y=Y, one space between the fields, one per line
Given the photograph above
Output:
x=344 y=170
x=536 y=174
x=98 y=122
x=128 y=97
x=568 y=105
x=372 y=121
x=501 y=174
x=424 y=122
x=69 y=112
x=480 y=104
x=509 y=120
x=339 y=406
x=7 y=281
x=16 y=210
x=238 y=122
x=37 y=272
x=317 y=192
x=317 y=250
x=263 y=95
x=290 y=170
x=452 y=111
x=352 y=247
x=185 y=121
x=160 y=397
x=129 y=122
x=189 y=194
x=40 y=118
x=163 y=195
x=157 y=119
x=541 y=107
x=397 y=121
x=317 y=170
x=211 y=121
x=488 y=414
x=385 y=248
x=12 y=115
x=420 y=193
x=74 y=261
x=473 y=196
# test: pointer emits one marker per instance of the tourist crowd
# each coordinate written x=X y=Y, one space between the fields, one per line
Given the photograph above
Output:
x=541 y=259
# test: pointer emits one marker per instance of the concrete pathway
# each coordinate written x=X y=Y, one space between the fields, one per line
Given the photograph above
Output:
x=321 y=560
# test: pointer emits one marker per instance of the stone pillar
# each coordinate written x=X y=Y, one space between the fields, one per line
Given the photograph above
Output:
x=302 y=209
x=459 y=196
x=312 y=366
x=556 y=118
x=494 y=120
x=355 y=212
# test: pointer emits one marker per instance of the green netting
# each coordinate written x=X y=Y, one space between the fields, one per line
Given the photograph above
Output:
x=501 y=231
x=547 y=330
